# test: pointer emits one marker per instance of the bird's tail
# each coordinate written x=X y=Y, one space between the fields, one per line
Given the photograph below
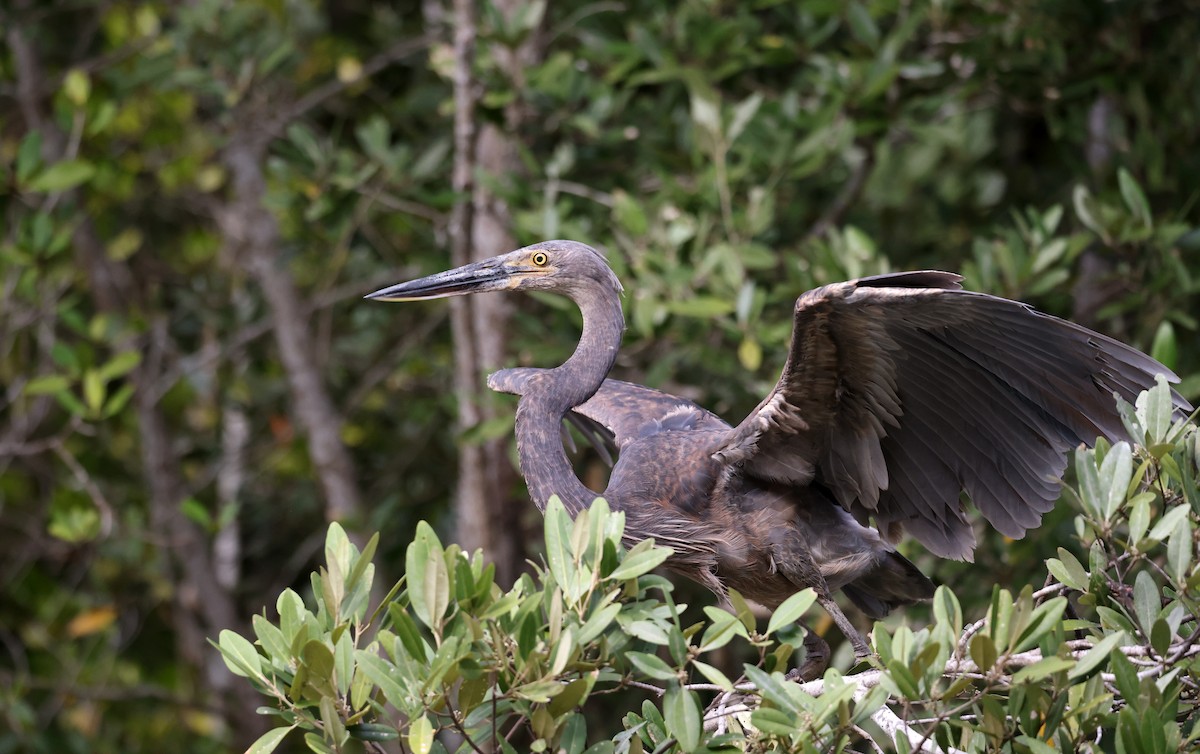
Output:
x=893 y=582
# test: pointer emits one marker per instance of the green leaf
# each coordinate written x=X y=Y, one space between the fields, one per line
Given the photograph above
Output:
x=373 y=732
x=629 y=214
x=682 y=715
x=302 y=136
x=29 y=156
x=343 y=662
x=721 y=630
x=750 y=354
x=63 y=176
x=1095 y=656
x=1154 y=408
x=93 y=390
x=1115 y=473
x=983 y=652
x=268 y=741
x=1082 y=200
x=318 y=659
x=1036 y=745
x=196 y=512
x=743 y=113
x=118 y=401
x=1160 y=636
x=335 y=730
x=1165 y=349
x=1179 y=550
x=1139 y=516
x=598 y=622
x=1169 y=522
x=557 y=526
x=291 y=614
x=119 y=365
x=539 y=691
x=862 y=26
x=316 y=744
x=1068 y=570
x=1043 y=668
x=742 y=609
x=706 y=112
x=773 y=687
x=946 y=610
x=1146 y=603
x=1125 y=674
x=1134 y=198
x=420 y=735
x=383 y=674
x=573 y=694
x=428 y=579
x=643 y=558
x=239 y=654
x=713 y=675
x=648 y=631
x=773 y=721
x=791 y=610
x=1089 y=481
x=652 y=666
x=47 y=384
x=271 y=639
x=704 y=307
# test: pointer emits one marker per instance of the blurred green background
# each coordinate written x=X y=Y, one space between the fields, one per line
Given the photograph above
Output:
x=194 y=196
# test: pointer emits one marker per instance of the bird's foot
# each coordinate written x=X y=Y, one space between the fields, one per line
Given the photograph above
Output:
x=816 y=659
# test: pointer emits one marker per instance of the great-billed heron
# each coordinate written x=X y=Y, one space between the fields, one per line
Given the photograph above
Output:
x=900 y=391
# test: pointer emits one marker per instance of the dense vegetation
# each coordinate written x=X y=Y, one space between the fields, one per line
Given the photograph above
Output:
x=1103 y=657
x=196 y=194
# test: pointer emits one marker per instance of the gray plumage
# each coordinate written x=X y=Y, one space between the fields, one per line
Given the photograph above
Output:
x=899 y=393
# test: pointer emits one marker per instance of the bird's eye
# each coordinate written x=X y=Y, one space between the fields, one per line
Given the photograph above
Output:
x=539 y=258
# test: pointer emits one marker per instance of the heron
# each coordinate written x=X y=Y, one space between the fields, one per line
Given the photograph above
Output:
x=899 y=392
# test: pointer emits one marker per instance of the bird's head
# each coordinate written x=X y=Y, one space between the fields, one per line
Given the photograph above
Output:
x=565 y=267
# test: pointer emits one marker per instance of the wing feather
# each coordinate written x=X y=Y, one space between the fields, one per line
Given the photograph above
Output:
x=901 y=392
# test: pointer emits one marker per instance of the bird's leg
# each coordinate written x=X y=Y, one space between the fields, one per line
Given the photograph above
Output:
x=794 y=561
x=861 y=648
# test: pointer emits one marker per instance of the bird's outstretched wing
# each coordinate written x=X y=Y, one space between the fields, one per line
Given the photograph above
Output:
x=619 y=412
x=900 y=391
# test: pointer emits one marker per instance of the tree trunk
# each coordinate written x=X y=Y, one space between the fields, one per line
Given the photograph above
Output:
x=252 y=234
x=480 y=227
x=203 y=607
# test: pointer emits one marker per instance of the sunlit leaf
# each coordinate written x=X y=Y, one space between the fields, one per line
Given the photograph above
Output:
x=790 y=610
x=63 y=176
x=267 y=742
x=420 y=735
x=1135 y=200
x=1096 y=656
x=682 y=715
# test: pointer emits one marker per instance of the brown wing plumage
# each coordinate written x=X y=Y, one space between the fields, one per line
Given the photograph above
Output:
x=901 y=391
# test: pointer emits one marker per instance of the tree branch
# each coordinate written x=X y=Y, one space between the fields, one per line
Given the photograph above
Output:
x=845 y=199
x=336 y=86
x=252 y=234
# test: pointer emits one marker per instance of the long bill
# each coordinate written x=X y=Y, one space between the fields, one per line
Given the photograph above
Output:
x=477 y=277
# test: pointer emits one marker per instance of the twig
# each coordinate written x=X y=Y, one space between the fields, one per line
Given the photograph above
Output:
x=107 y=517
x=849 y=194
x=408 y=206
x=587 y=192
x=336 y=86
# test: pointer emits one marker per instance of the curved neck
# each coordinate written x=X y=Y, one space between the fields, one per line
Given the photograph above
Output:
x=553 y=393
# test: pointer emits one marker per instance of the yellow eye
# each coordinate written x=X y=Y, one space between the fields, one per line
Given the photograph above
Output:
x=539 y=258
